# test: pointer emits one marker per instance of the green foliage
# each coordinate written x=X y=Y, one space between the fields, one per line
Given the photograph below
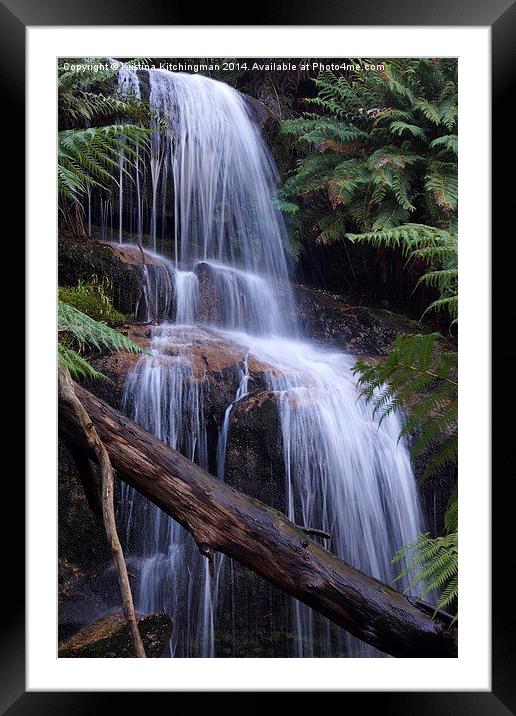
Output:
x=451 y=518
x=76 y=364
x=94 y=300
x=78 y=333
x=435 y=564
x=98 y=126
x=381 y=150
x=435 y=247
x=88 y=96
x=420 y=379
x=91 y=157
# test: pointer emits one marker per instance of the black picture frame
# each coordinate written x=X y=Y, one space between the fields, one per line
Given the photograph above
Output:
x=500 y=15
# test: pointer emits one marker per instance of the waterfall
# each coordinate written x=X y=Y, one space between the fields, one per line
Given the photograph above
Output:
x=222 y=173
x=163 y=395
x=344 y=472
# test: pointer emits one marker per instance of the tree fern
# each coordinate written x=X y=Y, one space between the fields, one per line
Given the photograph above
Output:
x=379 y=139
x=91 y=157
x=436 y=247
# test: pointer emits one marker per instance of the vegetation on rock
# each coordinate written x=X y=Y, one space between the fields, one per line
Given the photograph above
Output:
x=94 y=299
x=79 y=333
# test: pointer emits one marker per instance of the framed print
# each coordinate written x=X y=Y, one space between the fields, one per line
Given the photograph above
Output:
x=269 y=435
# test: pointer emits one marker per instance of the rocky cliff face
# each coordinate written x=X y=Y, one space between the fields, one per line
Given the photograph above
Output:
x=361 y=330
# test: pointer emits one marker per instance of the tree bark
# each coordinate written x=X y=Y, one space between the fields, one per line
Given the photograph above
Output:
x=94 y=447
x=221 y=519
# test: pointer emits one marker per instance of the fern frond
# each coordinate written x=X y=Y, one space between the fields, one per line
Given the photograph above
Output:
x=400 y=128
x=447 y=142
x=435 y=564
x=441 y=183
x=88 y=332
x=91 y=157
x=422 y=382
x=76 y=364
x=288 y=207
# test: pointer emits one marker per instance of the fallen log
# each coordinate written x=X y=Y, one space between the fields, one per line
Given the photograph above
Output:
x=221 y=519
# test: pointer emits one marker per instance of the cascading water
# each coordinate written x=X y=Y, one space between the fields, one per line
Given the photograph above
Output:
x=163 y=395
x=345 y=473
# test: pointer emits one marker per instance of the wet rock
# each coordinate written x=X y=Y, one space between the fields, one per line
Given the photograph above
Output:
x=254 y=455
x=213 y=359
x=257 y=110
x=81 y=536
x=210 y=306
x=69 y=577
x=109 y=637
x=253 y=618
x=115 y=366
x=362 y=330
x=82 y=549
x=83 y=552
x=78 y=603
x=215 y=363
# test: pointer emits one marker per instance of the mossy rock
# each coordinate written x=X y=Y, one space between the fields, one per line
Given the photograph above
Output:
x=80 y=259
x=86 y=299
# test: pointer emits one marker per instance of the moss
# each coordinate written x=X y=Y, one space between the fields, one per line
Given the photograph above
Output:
x=88 y=299
x=80 y=259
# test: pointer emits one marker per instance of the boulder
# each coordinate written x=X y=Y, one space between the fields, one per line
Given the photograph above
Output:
x=257 y=110
x=214 y=359
x=109 y=637
x=210 y=308
x=362 y=330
